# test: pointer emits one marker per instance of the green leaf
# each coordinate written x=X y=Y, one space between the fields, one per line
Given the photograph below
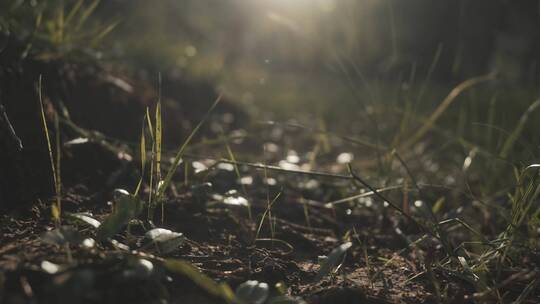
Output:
x=333 y=260
x=166 y=240
x=127 y=208
x=212 y=287
x=252 y=292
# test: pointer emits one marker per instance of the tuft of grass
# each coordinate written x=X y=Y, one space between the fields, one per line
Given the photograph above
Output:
x=156 y=136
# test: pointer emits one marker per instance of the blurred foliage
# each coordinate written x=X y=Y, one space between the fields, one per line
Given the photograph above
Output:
x=322 y=56
x=382 y=38
x=255 y=40
x=53 y=29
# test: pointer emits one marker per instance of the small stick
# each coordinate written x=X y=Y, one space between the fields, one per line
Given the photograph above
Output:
x=379 y=195
x=5 y=120
x=279 y=169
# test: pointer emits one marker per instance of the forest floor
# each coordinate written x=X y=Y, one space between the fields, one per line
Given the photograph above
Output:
x=294 y=217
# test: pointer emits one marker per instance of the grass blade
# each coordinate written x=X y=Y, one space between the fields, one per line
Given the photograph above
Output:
x=87 y=13
x=126 y=208
x=268 y=209
x=511 y=140
x=73 y=11
x=237 y=171
x=180 y=153
x=56 y=208
x=158 y=141
x=58 y=182
x=100 y=35
x=212 y=287
x=428 y=125
x=142 y=150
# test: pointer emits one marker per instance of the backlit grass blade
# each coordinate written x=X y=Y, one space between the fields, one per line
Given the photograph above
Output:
x=87 y=13
x=431 y=69
x=237 y=171
x=511 y=140
x=142 y=150
x=56 y=209
x=74 y=10
x=149 y=122
x=491 y=119
x=101 y=34
x=60 y=26
x=152 y=138
x=180 y=153
x=58 y=183
x=158 y=141
x=268 y=209
x=429 y=124
x=151 y=197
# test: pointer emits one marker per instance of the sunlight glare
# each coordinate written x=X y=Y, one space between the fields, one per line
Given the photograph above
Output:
x=322 y=5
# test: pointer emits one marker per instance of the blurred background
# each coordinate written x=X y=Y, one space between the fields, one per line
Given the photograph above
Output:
x=314 y=52
x=347 y=64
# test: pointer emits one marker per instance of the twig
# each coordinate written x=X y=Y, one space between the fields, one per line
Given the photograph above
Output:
x=5 y=120
x=391 y=204
x=443 y=236
x=279 y=169
x=415 y=183
x=356 y=141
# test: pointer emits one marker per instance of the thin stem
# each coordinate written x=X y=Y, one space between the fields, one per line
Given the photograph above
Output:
x=390 y=203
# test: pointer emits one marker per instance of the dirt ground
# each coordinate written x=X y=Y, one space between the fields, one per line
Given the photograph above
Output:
x=220 y=245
